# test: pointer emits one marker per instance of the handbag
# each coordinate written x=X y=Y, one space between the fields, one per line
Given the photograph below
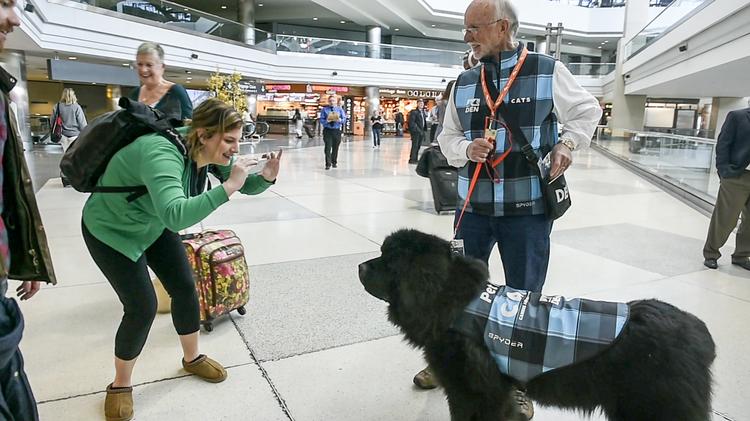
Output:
x=555 y=194
x=57 y=126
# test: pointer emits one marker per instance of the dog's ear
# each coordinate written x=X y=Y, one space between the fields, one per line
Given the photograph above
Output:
x=467 y=273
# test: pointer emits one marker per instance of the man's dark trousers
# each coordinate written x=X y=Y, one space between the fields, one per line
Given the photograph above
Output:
x=433 y=130
x=417 y=136
x=332 y=140
x=523 y=242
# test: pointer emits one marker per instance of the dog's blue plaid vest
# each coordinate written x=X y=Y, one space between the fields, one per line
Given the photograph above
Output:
x=530 y=103
x=529 y=334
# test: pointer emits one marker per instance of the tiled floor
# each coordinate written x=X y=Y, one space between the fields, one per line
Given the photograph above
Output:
x=314 y=345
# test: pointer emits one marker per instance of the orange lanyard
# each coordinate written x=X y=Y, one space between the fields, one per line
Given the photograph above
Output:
x=493 y=105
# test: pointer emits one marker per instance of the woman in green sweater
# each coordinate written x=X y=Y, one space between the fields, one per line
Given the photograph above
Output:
x=124 y=238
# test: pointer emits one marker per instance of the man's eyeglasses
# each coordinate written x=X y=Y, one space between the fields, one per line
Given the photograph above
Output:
x=474 y=29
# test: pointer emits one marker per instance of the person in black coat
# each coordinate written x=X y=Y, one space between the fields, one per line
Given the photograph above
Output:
x=733 y=164
x=417 y=127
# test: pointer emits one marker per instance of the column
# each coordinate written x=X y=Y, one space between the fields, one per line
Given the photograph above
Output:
x=114 y=92
x=247 y=19
x=628 y=111
x=373 y=40
x=372 y=92
x=14 y=63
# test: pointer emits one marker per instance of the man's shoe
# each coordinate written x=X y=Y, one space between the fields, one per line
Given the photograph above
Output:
x=425 y=379
x=328 y=167
x=412 y=161
x=525 y=406
x=711 y=263
x=744 y=263
x=118 y=405
x=206 y=368
x=335 y=165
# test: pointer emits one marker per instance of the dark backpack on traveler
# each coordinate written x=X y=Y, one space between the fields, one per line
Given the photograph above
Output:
x=86 y=160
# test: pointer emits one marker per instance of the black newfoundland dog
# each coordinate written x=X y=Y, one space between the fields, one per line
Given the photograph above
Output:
x=657 y=369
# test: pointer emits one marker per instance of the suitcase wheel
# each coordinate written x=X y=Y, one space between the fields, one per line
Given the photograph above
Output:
x=242 y=310
x=208 y=326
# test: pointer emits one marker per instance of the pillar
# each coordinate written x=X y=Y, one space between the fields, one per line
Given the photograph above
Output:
x=114 y=92
x=628 y=111
x=373 y=40
x=374 y=34
x=247 y=19
x=14 y=63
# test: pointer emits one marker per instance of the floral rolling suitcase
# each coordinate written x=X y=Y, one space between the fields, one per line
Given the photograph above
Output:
x=221 y=273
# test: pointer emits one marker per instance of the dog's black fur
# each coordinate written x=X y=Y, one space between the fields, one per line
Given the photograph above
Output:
x=659 y=369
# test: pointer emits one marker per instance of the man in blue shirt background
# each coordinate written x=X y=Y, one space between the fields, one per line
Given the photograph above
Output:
x=333 y=120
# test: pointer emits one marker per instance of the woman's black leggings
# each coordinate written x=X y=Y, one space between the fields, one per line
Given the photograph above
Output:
x=132 y=283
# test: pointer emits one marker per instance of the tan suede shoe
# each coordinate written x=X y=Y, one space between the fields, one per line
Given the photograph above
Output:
x=118 y=405
x=207 y=369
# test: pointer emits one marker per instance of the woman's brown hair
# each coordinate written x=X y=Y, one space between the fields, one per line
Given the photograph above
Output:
x=214 y=116
x=448 y=90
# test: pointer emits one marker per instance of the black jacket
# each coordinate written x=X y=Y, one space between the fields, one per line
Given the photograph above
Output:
x=29 y=254
x=417 y=120
x=733 y=146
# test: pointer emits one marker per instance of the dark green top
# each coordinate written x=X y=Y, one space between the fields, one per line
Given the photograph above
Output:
x=154 y=162
x=175 y=95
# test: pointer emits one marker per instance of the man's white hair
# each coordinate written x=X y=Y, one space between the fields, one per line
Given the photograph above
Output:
x=504 y=10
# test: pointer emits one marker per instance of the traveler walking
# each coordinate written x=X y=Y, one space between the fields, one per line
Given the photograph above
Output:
x=377 y=127
x=333 y=120
x=71 y=116
x=417 y=126
x=298 y=123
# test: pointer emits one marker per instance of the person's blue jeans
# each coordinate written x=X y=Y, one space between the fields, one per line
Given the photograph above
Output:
x=17 y=402
x=376 y=136
x=523 y=242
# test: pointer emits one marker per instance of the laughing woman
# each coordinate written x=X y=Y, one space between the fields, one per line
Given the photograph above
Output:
x=125 y=238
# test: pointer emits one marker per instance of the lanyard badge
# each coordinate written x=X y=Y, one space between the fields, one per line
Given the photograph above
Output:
x=457 y=247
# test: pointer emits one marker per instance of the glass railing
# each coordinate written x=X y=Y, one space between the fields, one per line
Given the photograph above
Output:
x=591 y=69
x=312 y=45
x=179 y=17
x=184 y=18
x=677 y=12
x=685 y=161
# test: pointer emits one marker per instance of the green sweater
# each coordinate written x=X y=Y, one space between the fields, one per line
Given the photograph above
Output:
x=151 y=160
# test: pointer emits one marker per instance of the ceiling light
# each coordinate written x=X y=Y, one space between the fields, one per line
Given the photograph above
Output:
x=523 y=36
x=433 y=25
x=606 y=41
x=188 y=71
x=260 y=4
x=72 y=58
x=189 y=78
x=315 y=18
x=396 y=29
x=570 y=43
x=600 y=47
x=126 y=64
x=223 y=7
x=343 y=21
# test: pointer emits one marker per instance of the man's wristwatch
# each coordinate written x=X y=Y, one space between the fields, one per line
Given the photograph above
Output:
x=569 y=144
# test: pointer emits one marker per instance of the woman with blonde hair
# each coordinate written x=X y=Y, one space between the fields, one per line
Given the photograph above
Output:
x=71 y=119
x=156 y=91
x=125 y=238
x=72 y=116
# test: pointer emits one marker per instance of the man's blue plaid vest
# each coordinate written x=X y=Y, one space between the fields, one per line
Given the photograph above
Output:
x=529 y=334
x=529 y=102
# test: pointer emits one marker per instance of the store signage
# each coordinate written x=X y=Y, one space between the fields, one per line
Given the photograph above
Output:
x=279 y=87
x=413 y=93
x=335 y=89
x=252 y=88
x=349 y=110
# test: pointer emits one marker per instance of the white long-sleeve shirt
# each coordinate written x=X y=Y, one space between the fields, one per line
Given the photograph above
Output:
x=576 y=109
